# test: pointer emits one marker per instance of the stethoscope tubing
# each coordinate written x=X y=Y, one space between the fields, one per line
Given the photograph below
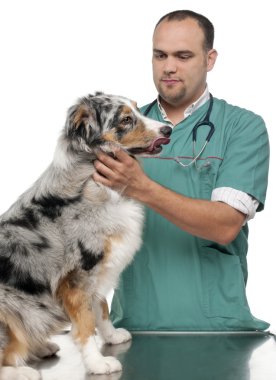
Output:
x=205 y=122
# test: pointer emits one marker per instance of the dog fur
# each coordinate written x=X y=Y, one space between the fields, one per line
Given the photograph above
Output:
x=65 y=241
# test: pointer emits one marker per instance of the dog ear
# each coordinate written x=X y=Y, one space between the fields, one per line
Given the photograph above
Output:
x=82 y=123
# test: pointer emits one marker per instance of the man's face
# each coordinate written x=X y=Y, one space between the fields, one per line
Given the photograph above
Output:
x=180 y=62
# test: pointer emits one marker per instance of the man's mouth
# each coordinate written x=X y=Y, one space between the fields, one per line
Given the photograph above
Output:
x=170 y=81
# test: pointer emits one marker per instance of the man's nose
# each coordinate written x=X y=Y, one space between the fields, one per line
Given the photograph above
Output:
x=170 y=66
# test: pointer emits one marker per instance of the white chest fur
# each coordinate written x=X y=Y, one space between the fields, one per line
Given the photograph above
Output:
x=123 y=220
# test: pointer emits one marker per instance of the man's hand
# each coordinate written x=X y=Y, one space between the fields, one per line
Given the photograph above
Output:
x=214 y=221
x=123 y=174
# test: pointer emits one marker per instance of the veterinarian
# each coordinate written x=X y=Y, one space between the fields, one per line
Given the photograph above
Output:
x=191 y=271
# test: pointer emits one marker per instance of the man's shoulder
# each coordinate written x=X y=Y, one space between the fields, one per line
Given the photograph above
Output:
x=143 y=108
x=236 y=112
x=147 y=106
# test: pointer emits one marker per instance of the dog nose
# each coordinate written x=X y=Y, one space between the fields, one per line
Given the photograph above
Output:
x=166 y=131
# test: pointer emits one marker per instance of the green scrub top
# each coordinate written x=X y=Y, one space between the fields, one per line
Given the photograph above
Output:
x=178 y=281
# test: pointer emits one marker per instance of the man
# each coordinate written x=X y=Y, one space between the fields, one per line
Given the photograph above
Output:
x=191 y=272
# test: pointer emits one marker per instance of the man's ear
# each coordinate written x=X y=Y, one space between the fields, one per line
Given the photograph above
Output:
x=211 y=59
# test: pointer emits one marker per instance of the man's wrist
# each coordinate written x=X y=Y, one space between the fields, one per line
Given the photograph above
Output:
x=146 y=193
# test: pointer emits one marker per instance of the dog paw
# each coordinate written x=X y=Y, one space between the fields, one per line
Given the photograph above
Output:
x=48 y=350
x=19 y=373
x=104 y=365
x=118 y=336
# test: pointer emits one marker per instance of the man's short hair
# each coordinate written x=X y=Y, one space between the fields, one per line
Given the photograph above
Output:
x=203 y=22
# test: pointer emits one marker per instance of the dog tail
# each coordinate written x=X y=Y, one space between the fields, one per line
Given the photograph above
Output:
x=26 y=322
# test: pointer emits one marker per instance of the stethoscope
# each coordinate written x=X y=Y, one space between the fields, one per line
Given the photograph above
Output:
x=205 y=122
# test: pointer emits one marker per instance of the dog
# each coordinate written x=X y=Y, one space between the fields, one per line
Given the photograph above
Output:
x=65 y=241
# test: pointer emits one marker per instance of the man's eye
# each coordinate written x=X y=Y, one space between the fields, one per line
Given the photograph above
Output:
x=126 y=120
x=184 y=57
x=159 y=56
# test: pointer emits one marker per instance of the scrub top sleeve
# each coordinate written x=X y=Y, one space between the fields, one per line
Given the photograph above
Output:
x=246 y=157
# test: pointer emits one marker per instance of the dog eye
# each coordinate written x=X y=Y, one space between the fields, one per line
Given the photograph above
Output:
x=126 y=120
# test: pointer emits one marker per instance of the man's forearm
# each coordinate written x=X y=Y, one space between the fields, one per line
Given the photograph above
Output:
x=206 y=219
x=214 y=221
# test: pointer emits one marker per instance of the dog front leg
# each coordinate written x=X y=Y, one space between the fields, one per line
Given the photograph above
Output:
x=109 y=334
x=77 y=304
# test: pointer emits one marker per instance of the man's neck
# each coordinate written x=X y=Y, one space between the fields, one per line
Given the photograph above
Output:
x=176 y=113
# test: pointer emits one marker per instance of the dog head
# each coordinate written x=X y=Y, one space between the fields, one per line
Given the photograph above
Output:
x=107 y=122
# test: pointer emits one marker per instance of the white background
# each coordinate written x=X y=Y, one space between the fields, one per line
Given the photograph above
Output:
x=54 y=51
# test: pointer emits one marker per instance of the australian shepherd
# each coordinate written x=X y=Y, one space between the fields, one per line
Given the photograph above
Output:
x=65 y=241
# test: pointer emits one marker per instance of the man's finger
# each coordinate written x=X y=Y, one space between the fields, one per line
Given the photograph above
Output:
x=108 y=161
x=101 y=179
x=122 y=156
x=103 y=169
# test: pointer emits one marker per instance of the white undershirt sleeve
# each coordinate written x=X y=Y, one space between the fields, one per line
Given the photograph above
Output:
x=237 y=199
